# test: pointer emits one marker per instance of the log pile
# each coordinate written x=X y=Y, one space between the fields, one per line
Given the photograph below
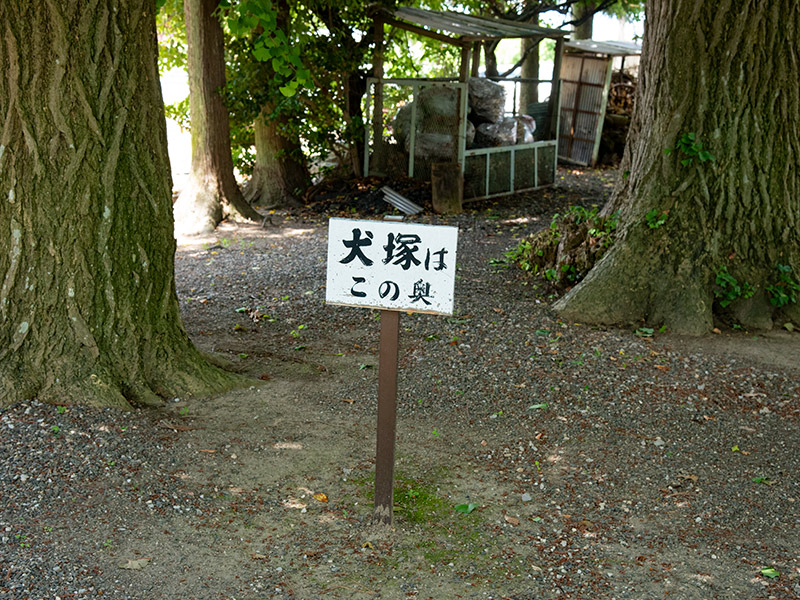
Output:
x=621 y=95
x=619 y=109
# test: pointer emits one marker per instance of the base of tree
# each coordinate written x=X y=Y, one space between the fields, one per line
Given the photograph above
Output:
x=105 y=385
x=201 y=206
x=605 y=282
x=259 y=191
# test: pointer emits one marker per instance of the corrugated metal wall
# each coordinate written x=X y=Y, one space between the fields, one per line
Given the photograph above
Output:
x=584 y=81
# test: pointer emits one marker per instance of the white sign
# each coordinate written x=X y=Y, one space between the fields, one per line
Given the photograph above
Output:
x=391 y=265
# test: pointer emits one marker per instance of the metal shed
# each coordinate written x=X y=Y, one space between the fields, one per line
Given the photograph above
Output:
x=487 y=172
x=585 y=82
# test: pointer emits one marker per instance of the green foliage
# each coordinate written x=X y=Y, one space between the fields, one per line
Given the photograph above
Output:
x=655 y=218
x=171 y=35
x=728 y=288
x=179 y=112
x=688 y=146
x=605 y=232
x=785 y=290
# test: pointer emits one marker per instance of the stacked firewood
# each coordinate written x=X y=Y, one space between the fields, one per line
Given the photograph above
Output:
x=621 y=95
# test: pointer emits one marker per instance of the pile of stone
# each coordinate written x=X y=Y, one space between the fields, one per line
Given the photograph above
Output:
x=436 y=135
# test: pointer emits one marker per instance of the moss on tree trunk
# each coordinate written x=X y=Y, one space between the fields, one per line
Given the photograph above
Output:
x=726 y=72
x=88 y=310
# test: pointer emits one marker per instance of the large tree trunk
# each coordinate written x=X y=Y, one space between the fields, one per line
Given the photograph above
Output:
x=280 y=174
x=584 y=13
x=529 y=91
x=211 y=193
x=726 y=71
x=88 y=310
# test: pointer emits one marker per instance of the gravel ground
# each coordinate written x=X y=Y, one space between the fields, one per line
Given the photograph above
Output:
x=600 y=464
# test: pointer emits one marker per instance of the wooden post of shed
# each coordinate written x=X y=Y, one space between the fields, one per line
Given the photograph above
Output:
x=463 y=72
x=377 y=108
x=476 y=59
x=555 y=87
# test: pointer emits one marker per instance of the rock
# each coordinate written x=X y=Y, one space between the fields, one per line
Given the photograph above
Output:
x=487 y=100
x=440 y=146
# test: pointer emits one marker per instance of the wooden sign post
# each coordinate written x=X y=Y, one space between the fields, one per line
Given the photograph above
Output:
x=393 y=267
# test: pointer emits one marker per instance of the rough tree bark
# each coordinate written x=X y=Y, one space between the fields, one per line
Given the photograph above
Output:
x=726 y=71
x=529 y=92
x=211 y=193
x=88 y=310
x=279 y=172
x=280 y=169
x=584 y=10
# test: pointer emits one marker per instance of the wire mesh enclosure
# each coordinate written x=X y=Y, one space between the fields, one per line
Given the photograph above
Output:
x=424 y=122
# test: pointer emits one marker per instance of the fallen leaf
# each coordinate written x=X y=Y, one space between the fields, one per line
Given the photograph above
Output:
x=483 y=442
x=465 y=508
x=368 y=545
x=499 y=311
x=256 y=556
x=135 y=564
x=770 y=572
x=715 y=330
x=206 y=450
x=321 y=497
x=662 y=367
x=693 y=478
x=348 y=400
x=512 y=520
x=264 y=377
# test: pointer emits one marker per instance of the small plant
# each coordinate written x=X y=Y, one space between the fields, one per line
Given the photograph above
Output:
x=688 y=145
x=296 y=332
x=785 y=290
x=645 y=332
x=55 y=429
x=184 y=411
x=61 y=409
x=729 y=288
x=570 y=272
x=655 y=218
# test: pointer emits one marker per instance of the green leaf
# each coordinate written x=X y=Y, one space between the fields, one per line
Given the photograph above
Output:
x=770 y=572
x=262 y=53
x=465 y=508
x=539 y=406
x=287 y=91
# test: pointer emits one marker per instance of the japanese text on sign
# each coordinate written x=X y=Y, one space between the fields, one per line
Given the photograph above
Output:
x=391 y=265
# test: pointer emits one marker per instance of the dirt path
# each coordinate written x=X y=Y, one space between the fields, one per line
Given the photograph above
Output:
x=599 y=464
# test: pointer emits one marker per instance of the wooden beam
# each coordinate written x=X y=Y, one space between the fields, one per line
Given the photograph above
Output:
x=423 y=32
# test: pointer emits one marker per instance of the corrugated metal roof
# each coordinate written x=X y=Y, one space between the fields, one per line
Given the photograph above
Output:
x=472 y=28
x=607 y=48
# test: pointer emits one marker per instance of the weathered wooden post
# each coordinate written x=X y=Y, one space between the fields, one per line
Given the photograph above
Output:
x=395 y=267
